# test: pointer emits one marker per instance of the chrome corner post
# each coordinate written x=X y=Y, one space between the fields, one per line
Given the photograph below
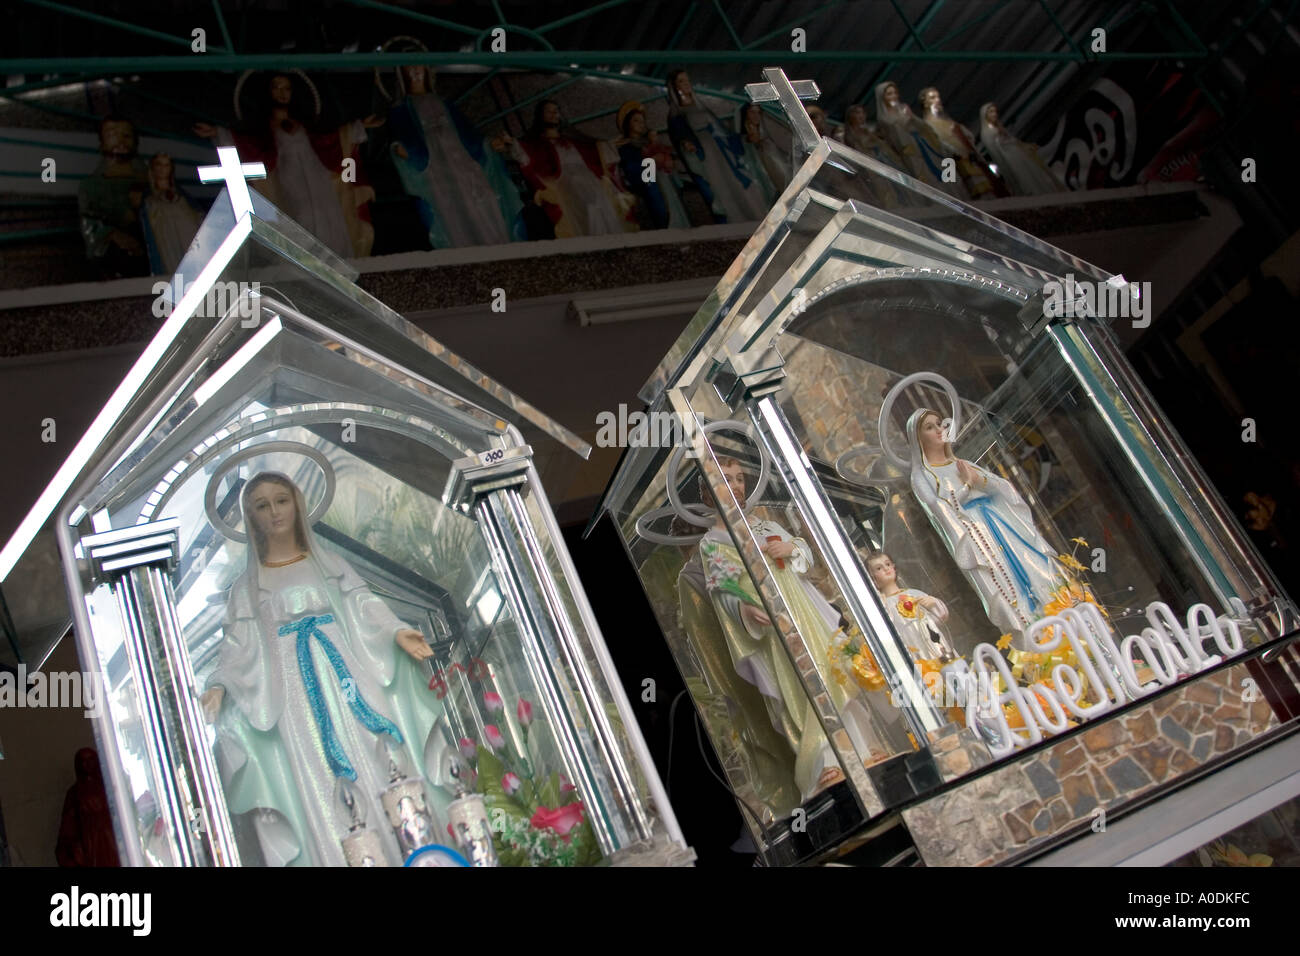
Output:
x=136 y=562
x=753 y=378
x=491 y=487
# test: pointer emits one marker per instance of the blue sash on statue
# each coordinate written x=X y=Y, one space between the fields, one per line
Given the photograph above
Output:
x=305 y=629
x=997 y=524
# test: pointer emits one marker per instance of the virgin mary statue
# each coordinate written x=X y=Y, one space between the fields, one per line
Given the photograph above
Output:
x=987 y=528
x=320 y=692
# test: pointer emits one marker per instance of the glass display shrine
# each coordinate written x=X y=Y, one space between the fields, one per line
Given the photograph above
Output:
x=311 y=564
x=918 y=531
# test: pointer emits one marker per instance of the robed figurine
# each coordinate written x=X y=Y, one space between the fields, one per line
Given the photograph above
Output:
x=316 y=689
x=306 y=173
x=108 y=202
x=464 y=193
x=988 y=529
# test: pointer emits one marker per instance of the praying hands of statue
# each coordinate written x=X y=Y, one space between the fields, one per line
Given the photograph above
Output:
x=413 y=643
x=400 y=150
x=966 y=473
x=206 y=130
x=753 y=616
x=778 y=549
x=501 y=143
x=373 y=120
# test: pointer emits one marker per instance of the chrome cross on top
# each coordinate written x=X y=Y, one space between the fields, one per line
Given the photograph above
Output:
x=789 y=94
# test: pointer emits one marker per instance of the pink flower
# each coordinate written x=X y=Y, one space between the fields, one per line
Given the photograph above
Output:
x=492 y=736
x=561 y=819
x=468 y=749
x=524 y=711
x=511 y=783
x=493 y=702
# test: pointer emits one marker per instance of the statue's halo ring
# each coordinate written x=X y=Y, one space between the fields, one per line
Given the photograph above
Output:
x=887 y=406
x=675 y=464
x=254 y=451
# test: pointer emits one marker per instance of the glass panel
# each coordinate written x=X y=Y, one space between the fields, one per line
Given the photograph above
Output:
x=370 y=651
x=1029 y=510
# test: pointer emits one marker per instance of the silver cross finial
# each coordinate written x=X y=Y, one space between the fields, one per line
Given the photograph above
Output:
x=235 y=175
x=779 y=89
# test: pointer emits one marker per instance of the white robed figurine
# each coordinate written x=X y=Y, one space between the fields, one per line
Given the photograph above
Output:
x=918 y=617
x=1017 y=162
x=987 y=528
x=318 y=670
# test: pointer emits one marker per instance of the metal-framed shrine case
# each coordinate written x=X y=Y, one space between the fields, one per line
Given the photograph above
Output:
x=310 y=564
x=921 y=531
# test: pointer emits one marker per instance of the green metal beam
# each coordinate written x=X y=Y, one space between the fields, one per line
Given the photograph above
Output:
x=1061 y=30
x=419 y=17
x=726 y=22
x=221 y=25
x=526 y=101
x=485 y=78
x=119 y=24
x=23 y=235
x=585 y=14
x=801 y=21
x=543 y=59
x=1113 y=20
x=916 y=37
x=904 y=52
x=662 y=69
x=972 y=22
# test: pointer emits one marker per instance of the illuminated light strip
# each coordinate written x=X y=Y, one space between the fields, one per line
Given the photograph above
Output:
x=113 y=409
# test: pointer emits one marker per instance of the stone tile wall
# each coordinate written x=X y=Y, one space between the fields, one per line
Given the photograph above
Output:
x=1034 y=799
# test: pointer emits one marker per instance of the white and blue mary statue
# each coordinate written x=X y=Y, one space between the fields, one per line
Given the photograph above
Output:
x=319 y=684
x=987 y=527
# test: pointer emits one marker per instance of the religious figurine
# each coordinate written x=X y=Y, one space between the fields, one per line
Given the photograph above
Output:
x=713 y=155
x=762 y=155
x=110 y=224
x=733 y=707
x=857 y=134
x=464 y=192
x=758 y=654
x=916 y=142
x=306 y=174
x=980 y=181
x=318 y=670
x=86 y=828
x=637 y=143
x=988 y=529
x=1018 y=162
x=168 y=217
x=917 y=616
x=570 y=172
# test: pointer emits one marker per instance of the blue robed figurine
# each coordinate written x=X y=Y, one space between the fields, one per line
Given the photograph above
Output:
x=464 y=193
x=714 y=155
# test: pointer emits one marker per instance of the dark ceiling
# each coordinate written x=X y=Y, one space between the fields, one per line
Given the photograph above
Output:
x=1031 y=56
